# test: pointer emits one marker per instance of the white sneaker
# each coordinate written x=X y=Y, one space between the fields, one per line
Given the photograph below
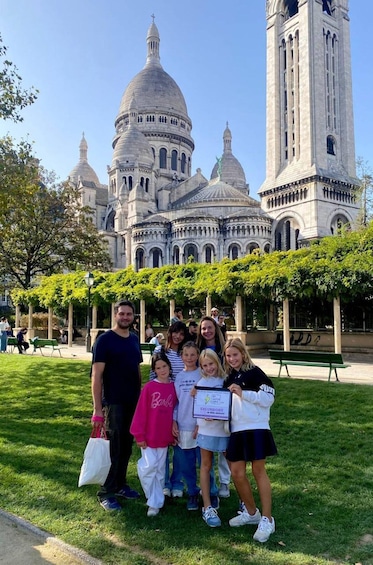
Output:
x=244 y=518
x=176 y=493
x=265 y=529
x=224 y=491
x=167 y=492
x=152 y=511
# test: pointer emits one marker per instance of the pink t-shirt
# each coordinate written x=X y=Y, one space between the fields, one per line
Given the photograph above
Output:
x=152 y=421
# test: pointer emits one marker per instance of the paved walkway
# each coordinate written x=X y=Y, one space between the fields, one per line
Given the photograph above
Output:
x=23 y=544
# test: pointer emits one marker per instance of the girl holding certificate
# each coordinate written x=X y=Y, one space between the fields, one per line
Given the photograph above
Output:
x=251 y=438
x=212 y=435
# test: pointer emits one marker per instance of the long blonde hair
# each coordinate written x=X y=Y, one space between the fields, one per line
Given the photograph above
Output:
x=247 y=362
x=211 y=355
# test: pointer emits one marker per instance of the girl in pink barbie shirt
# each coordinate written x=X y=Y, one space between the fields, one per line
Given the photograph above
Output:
x=152 y=429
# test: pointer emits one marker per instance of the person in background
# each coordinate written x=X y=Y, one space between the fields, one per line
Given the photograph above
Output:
x=22 y=344
x=4 y=328
x=215 y=313
x=157 y=340
x=149 y=332
x=192 y=330
x=222 y=326
x=177 y=317
x=116 y=377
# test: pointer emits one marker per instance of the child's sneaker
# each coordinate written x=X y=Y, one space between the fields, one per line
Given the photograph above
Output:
x=244 y=518
x=192 y=503
x=224 y=491
x=265 y=529
x=211 y=517
x=152 y=511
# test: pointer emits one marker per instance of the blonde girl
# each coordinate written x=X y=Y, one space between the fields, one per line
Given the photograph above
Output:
x=212 y=435
x=251 y=438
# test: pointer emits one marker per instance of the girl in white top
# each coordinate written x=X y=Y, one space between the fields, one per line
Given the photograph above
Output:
x=212 y=434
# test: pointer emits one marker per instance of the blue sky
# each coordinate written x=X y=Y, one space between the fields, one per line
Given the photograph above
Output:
x=81 y=55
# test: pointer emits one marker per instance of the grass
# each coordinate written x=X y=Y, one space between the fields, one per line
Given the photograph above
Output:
x=322 y=478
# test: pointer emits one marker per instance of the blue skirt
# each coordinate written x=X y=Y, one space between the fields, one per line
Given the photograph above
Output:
x=251 y=445
x=212 y=443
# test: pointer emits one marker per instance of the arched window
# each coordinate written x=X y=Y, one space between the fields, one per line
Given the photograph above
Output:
x=163 y=158
x=290 y=8
x=330 y=145
x=252 y=247
x=337 y=223
x=140 y=259
x=183 y=163
x=129 y=183
x=176 y=255
x=142 y=180
x=191 y=253
x=267 y=248
x=234 y=252
x=174 y=160
x=209 y=253
x=147 y=185
x=156 y=258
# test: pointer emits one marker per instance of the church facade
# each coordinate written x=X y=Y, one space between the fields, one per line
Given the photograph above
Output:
x=155 y=211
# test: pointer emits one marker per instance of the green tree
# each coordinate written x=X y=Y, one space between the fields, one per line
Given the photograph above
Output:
x=43 y=227
x=13 y=97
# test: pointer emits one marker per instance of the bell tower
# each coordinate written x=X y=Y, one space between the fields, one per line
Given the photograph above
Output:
x=310 y=164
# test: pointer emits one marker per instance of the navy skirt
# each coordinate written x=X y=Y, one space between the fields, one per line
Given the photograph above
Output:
x=251 y=445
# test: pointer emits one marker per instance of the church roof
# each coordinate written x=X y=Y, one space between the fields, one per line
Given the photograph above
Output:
x=221 y=193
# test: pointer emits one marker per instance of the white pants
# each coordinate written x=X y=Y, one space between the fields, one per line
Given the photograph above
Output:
x=224 y=471
x=151 y=470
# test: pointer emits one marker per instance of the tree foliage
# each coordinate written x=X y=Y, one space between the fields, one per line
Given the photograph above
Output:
x=334 y=266
x=13 y=97
x=43 y=227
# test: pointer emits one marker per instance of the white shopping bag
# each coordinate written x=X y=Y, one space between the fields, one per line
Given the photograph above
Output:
x=96 y=462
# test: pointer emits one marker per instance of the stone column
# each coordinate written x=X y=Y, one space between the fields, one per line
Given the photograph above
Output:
x=172 y=308
x=337 y=325
x=18 y=316
x=94 y=317
x=31 y=331
x=70 y=328
x=286 y=324
x=50 y=323
x=208 y=305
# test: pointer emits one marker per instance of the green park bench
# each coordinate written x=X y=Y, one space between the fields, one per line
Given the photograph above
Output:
x=308 y=359
x=40 y=343
x=12 y=343
x=148 y=349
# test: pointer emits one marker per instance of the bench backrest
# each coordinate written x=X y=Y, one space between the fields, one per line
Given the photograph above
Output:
x=147 y=347
x=12 y=340
x=40 y=342
x=307 y=356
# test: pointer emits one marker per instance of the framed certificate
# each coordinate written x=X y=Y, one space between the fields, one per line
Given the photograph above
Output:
x=212 y=403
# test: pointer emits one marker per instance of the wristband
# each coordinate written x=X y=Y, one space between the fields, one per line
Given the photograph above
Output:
x=97 y=419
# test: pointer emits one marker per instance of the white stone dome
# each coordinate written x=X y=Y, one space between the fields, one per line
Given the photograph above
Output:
x=83 y=169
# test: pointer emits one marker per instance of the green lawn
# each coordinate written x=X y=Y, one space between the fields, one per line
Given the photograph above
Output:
x=322 y=478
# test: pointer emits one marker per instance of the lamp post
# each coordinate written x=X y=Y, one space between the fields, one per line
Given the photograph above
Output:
x=89 y=280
